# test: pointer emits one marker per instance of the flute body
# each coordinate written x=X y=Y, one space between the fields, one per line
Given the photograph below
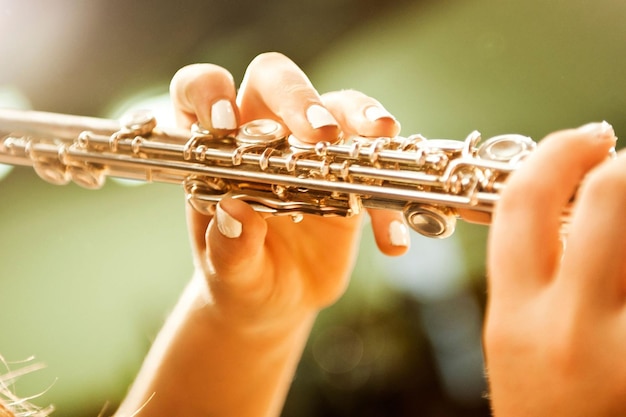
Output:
x=429 y=180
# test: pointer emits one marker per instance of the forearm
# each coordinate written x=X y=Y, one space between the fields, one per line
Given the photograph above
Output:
x=201 y=366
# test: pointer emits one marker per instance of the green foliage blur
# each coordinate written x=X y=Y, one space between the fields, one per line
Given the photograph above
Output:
x=87 y=277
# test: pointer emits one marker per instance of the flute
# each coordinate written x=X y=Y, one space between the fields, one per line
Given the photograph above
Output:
x=429 y=180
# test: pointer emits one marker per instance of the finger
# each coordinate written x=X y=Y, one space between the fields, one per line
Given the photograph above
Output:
x=275 y=87
x=197 y=224
x=475 y=216
x=524 y=243
x=234 y=242
x=594 y=263
x=390 y=232
x=205 y=93
x=361 y=115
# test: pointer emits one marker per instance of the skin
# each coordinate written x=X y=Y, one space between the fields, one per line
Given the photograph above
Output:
x=233 y=342
x=554 y=337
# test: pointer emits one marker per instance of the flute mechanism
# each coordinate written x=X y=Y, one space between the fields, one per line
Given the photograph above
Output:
x=429 y=180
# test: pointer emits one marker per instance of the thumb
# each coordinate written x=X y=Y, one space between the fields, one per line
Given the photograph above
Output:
x=235 y=243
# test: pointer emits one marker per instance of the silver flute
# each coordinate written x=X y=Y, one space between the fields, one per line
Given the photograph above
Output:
x=429 y=180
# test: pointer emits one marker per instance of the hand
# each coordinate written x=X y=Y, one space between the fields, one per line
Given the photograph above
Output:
x=555 y=334
x=232 y=344
x=274 y=271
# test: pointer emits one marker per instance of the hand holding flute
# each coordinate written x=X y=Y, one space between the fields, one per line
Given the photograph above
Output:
x=240 y=328
x=555 y=313
x=555 y=319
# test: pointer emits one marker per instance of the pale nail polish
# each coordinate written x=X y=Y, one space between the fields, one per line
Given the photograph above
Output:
x=223 y=115
x=602 y=130
x=398 y=233
x=318 y=117
x=227 y=224
x=374 y=113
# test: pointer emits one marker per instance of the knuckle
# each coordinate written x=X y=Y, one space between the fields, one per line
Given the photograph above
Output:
x=279 y=80
x=193 y=72
x=266 y=59
x=199 y=83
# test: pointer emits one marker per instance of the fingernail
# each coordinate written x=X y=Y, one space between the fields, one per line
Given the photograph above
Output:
x=227 y=224
x=223 y=115
x=374 y=113
x=318 y=117
x=398 y=233
x=601 y=130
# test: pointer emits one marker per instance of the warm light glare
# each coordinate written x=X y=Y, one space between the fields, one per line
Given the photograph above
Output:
x=4 y=170
x=12 y=97
x=43 y=34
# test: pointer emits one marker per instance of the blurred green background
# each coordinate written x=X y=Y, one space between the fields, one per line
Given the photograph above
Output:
x=87 y=277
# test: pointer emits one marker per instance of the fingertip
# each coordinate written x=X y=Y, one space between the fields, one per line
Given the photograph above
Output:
x=391 y=232
x=234 y=241
x=475 y=216
x=227 y=225
x=318 y=117
x=361 y=115
x=588 y=144
x=223 y=115
x=600 y=130
x=399 y=238
x=378 y=122
x=235 y=219
x=315 y=124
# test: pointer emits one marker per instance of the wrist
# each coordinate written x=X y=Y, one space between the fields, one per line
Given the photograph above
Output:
x=255 y=321
x=201 y=350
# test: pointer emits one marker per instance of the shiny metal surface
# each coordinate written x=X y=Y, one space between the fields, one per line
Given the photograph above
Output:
x=429 y=180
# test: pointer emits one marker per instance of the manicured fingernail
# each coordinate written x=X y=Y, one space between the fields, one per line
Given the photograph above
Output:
x=227 y=224
x=374 y=113
x=318 y=117
x=398 y=233
x=601 y=130
x=223 y=115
